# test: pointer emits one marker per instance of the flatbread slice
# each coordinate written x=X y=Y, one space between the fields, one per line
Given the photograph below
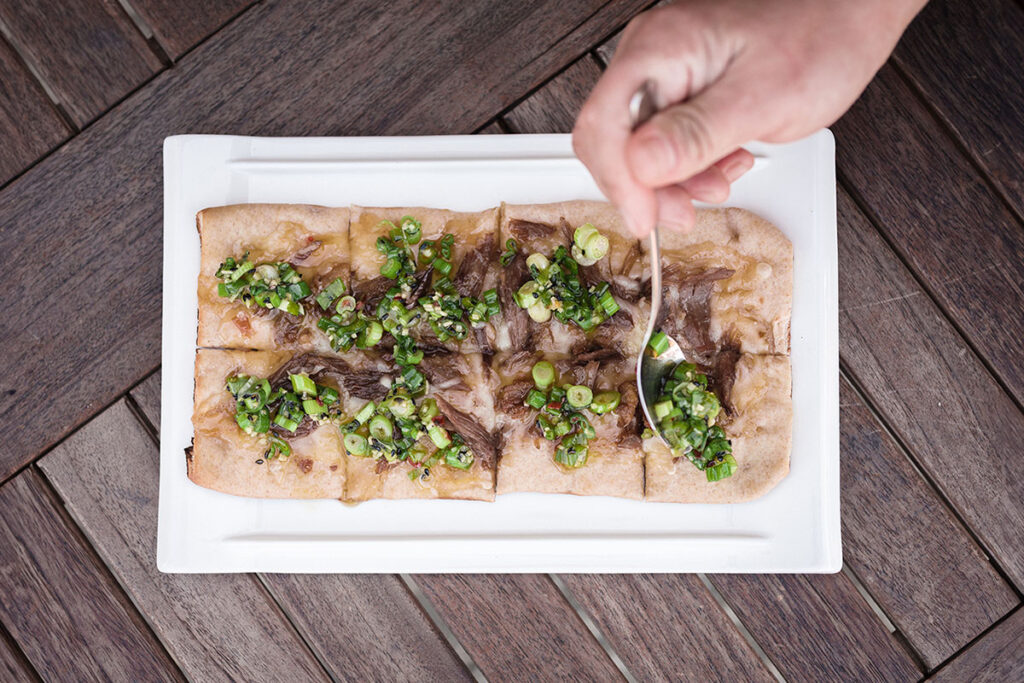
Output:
x=474 y=259
x=314 y=239
x=541 y=228
x=614 y=464
x=761 y=433
x=463 y=388
x=747 y=265
x=224 y=458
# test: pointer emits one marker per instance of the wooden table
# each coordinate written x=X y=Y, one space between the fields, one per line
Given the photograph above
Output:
x=931 y=240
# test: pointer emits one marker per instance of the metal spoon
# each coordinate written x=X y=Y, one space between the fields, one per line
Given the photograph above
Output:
x=650 y=370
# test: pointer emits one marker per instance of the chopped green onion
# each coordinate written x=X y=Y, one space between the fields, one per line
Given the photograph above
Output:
x=285 y=422
x=584 y=233
x=528 y=294
x=459 y=458
x=538 y=261
x=313 y=407
x=579 y=396
x=328 y=395
x=581 y=257
x=428 y=410
x=536 y=399
x=355 y=444
x=329 y=293
x=366 y=412
x=417 y=454
x=370 y=336
x=401 y=406
x=391 y=268
x=605 y=401
x=438 y=435
x=725 y=468
x=543 y=374
x=571 y=454
x=302 y=384
x=382 y=429
x=662 y=409
x=539 y=312
x=442 y=266
x=279 y=448
x=511 y=247
x=659 y=343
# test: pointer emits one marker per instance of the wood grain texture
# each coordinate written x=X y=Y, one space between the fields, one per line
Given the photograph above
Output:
x=517 y=626
x=88 y=51
x=264 y=74
x=659 y=625
x=816 y=627
x=13 y=666
x=29 y=125
x=366 y=627
x=998 y=657
x=217 y=627
x=58 y=601
x=147 y=397
x=933 y=391
x=180 y=24
x=966 y=58
x=554 y=107
x=912 y=555
x=958 y=237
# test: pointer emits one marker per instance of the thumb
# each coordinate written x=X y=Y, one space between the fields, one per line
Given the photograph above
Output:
x=686 y=138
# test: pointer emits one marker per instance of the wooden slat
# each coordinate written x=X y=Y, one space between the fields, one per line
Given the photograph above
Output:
x=59 y=603
x=366 y=627
x=13 y=666
x=29 y=125
x=659 y=625
x=816 y=628
x=997 y=658
x=517 y=626
x=553 y=108
x=944 y=219
x=216 y=627
x=99 y=199
x=343 y=617
x=966 y=57
x=180 y=24
x=906 y=547
x=147 y=397
x=932 y=389
x=88 y=51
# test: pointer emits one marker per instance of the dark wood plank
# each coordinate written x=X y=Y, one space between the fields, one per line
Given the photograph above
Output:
x=13 y=665
x=517 y=626
x=366 y=627
x=959 y=238
x=816 y=628
x=996 y=658
x=88 y=51
x=216 y=627
x=341 y=617
x=107 y=181
x=966 y=57
x=659 y=625
x=29 y=125
x=553 y=108
x=933 y=391
x=904 y=544
x=147 y=397
x=179 y=25
x=58 y=601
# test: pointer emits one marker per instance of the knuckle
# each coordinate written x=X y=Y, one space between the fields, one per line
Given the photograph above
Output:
x=690 y=133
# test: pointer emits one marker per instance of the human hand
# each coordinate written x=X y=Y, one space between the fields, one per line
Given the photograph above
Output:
x=725 y=72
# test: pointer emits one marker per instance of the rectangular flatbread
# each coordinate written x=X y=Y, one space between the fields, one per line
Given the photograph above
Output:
x=314 y=239
x=747 y=265
x=542 y=228
x=226 y=459
x=463 y=388
x=474 y=259
x=761 y=433
x=615 y=461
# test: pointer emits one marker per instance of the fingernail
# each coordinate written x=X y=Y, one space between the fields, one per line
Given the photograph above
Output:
x=657 y=155
x=737 y=167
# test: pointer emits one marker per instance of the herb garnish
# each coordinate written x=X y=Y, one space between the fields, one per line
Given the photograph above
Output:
x=273 y=285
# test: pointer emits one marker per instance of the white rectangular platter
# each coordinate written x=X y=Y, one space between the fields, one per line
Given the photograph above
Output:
x=795 y=528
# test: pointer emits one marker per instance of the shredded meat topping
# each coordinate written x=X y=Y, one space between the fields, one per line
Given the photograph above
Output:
x=515 y=319
x=479 y=440
x=686 y=315
x=302 y=254
x=469 y=280
x=528 y=231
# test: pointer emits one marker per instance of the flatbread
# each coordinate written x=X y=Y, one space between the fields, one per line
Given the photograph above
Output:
x=472 y=230
x=553 y=226
x=761 y=435
x=269 y=232
x=224 y=458
x=469 y=389
x=752 y=308
x=614 y=466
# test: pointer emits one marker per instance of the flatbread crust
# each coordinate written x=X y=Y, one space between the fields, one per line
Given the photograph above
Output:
x=752 y=308
x=471 y=230
x=761 y=435
x=269 y=232
x=623 y=262
x=224 y=458
x=527 y=462
x=469 y=389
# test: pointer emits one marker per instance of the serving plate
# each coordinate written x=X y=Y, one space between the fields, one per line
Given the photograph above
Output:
x=795 y=528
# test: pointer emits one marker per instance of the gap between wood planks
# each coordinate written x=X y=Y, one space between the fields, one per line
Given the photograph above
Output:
x=992 y=627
